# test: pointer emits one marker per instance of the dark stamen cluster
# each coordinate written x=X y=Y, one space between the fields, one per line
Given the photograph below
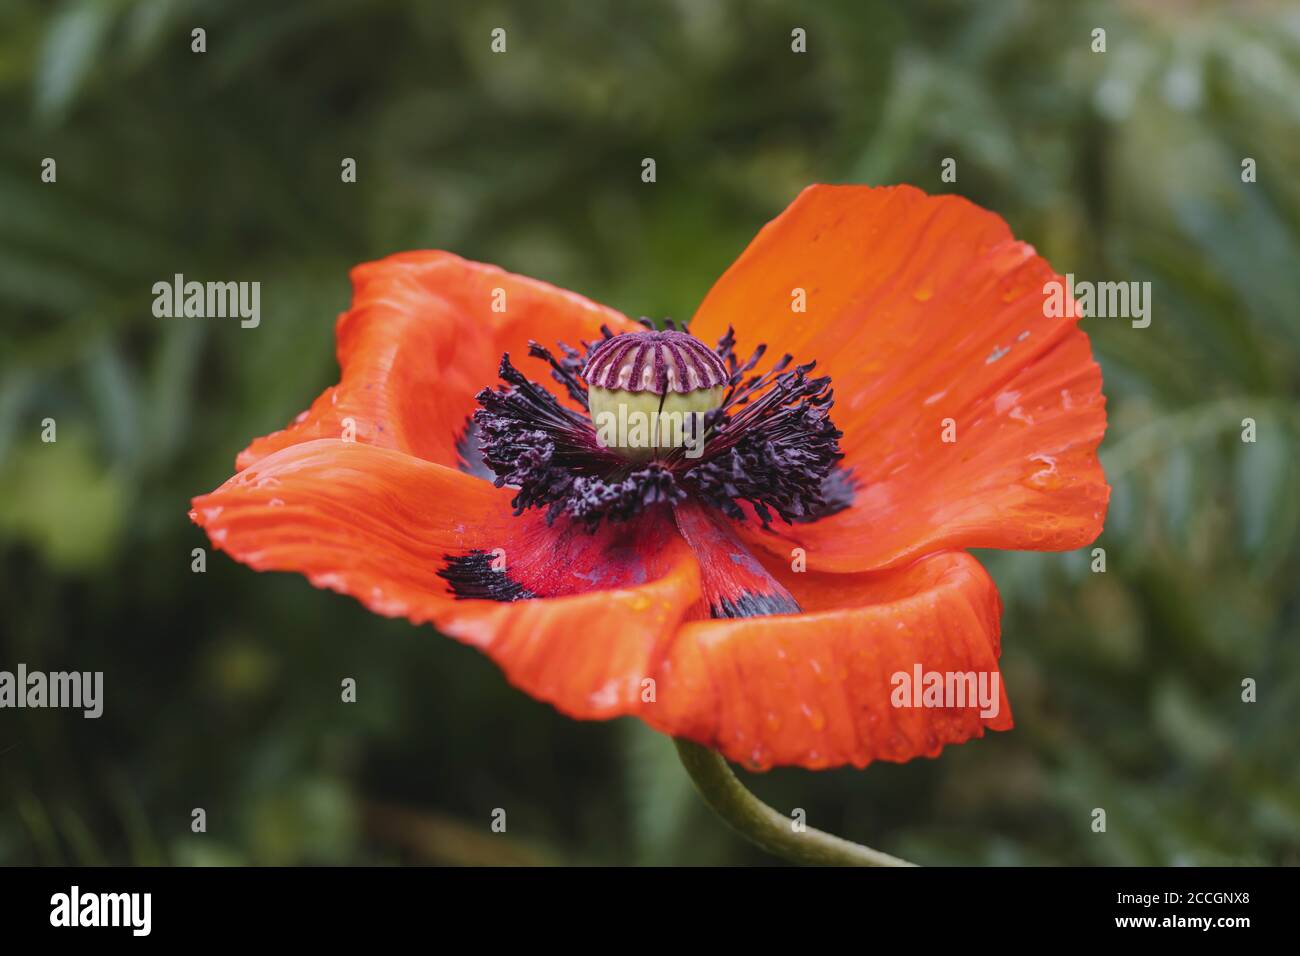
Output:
x=533 y=443
x=771 y=443
x=620 y=499
x=776 y=452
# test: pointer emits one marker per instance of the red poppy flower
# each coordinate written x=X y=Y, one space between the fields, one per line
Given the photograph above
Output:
x=758 y=598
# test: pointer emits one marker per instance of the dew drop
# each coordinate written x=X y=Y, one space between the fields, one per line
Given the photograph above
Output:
x=816 y=718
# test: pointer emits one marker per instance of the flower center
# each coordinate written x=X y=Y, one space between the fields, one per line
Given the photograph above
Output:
x=670 y=419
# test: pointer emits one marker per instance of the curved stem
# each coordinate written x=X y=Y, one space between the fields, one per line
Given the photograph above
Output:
x=757 y=822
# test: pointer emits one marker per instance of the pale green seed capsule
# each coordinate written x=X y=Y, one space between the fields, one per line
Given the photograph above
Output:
x=641 y=425
x=648 y=392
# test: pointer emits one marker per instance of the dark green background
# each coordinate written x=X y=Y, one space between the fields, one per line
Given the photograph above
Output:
x=223 y=688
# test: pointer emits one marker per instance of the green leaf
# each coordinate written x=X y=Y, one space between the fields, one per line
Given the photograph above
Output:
x=1262 y=471
x=73 y=43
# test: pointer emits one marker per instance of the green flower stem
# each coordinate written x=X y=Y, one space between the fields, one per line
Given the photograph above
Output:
x=757 y=822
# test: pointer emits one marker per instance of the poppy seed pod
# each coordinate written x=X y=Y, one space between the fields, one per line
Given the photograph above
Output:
x=649 y=391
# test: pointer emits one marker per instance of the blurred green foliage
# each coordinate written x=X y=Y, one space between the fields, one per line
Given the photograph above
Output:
x=223 y=687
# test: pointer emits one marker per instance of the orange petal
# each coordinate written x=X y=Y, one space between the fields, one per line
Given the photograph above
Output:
x=377 y=524
x=924 y=309
x=819 y=689
x=422 y=337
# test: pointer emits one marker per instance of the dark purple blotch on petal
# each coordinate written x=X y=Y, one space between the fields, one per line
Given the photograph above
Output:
x=472 y=577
